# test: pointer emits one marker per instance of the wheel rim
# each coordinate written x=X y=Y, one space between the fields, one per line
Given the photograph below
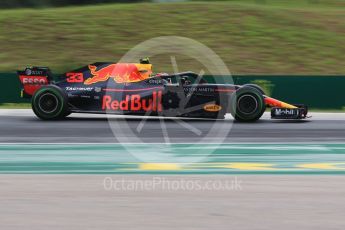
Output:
x=48 y=103
x=247 y=104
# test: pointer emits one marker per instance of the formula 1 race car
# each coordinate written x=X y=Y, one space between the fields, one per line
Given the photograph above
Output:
x=127 y=88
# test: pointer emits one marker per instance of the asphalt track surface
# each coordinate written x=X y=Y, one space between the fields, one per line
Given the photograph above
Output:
x=21 y=126
x=258 y=202
x=270 y=201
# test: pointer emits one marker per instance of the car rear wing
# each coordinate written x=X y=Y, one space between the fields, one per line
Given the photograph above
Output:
x=33 y=78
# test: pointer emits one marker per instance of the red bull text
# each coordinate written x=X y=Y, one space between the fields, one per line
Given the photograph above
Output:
x=134 y=103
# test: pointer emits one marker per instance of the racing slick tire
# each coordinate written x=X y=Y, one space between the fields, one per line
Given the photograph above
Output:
x=256 y=87
x=247 y=105
x=50 y=103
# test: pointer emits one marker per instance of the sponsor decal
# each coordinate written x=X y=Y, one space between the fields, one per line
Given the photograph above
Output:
x=285 y=112
x=212 y=108
x=33 y=72
x=85 y=96
x=70 y=88
x=72 y=95
x=98 y=89
x=134 y=103
x=33 y=80
x=28 y=71
x=198 y=89
x=155 y=81
x=121 y=73
x=32 y=83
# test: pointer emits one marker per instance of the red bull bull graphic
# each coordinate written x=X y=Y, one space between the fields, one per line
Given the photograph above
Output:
x=134 y=103
x=120 y=72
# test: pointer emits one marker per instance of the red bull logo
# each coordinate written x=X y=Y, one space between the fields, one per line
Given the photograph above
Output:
x=134 y=103
x=121 y=73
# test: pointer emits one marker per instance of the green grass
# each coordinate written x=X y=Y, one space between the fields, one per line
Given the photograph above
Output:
x=286 y=3
x=15 y=106
x=251 y=36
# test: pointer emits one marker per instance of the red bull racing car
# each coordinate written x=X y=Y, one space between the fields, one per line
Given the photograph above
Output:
x=129 y=88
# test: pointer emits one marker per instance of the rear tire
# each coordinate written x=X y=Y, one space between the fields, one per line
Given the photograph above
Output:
x=247 y=104
x=50 y=103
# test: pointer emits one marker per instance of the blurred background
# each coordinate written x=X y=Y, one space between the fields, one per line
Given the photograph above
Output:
x=253 y=37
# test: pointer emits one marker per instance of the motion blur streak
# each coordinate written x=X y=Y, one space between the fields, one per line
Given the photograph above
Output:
x=226 y=159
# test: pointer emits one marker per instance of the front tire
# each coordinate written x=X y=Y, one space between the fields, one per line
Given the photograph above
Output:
x=256 y=87
x=50 y=103
x=247 y=104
